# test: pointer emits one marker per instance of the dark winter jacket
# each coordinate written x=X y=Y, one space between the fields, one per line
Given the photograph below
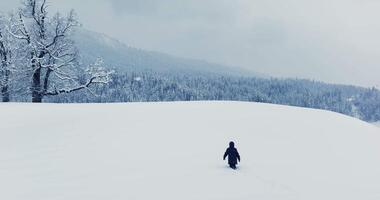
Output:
x=233 y=154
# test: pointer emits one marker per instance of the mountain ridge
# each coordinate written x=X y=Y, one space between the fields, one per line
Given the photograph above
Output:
x=124 y=58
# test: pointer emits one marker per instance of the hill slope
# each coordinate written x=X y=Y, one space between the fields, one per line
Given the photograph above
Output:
x=174 y=151
x=124 y=58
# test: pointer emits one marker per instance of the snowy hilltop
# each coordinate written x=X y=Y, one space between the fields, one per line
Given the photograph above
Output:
x=175 y=151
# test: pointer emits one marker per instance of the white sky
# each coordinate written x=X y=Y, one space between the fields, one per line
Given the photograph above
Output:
x=330 y=40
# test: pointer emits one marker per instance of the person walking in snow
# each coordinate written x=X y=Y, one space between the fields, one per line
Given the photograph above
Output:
x=233 y=155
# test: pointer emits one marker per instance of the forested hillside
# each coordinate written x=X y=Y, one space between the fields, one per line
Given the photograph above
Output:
x=362 y=103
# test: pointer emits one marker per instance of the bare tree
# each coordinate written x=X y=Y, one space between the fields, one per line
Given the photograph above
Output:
x=5 y=54
x=53 y=57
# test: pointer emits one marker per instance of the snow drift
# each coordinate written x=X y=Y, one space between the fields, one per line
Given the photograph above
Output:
x=174 y=151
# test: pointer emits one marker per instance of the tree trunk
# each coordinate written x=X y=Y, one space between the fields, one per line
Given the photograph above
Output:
x=5 y=76
x=5 y=94
x=36 y=86
x=5 y=88
x=46 y=80
x=36 y=98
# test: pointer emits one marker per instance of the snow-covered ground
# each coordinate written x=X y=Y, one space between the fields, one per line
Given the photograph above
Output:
x=173 y=151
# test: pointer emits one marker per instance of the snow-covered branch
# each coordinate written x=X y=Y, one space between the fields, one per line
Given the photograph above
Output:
x=97 y=75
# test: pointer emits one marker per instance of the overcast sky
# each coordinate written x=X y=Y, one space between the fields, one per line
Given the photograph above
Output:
x=330 y=40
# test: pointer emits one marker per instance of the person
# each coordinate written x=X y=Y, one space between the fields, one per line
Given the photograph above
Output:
x=233 y=155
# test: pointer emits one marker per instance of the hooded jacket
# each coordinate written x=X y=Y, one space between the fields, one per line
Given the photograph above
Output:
x=232 y=153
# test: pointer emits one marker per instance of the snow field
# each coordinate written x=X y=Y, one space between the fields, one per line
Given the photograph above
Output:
x=174 y=151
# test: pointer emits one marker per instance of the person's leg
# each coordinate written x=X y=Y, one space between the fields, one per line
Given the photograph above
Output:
x=233 y=166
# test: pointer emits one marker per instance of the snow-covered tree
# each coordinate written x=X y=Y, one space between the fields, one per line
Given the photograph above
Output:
x=53 y=58
x=5 y=59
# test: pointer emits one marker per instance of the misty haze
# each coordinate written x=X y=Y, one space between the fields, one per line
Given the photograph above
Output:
x=334 y=41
